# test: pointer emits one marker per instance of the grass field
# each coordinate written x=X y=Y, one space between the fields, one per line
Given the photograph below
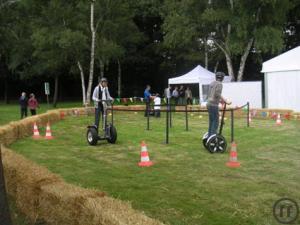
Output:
x=187 y=185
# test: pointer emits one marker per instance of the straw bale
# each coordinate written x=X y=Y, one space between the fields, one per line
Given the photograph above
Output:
x=25 y=180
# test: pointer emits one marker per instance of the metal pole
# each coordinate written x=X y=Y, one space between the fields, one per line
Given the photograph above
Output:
x=167 y=124
x=4 y=208
x=148 y=119
x=232 y=125
x=112 y=113
x=186 y=119
x=170 y=108
x=248 y=112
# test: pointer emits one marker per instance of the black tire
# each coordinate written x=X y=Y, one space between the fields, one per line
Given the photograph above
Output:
x=216 y=143
x=112 y=136
x=204 y=140
x=92 y=136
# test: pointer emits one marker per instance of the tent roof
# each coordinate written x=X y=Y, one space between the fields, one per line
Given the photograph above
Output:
x=197 y=75
x=285 y=62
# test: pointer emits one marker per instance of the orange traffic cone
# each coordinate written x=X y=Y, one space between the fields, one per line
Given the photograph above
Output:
x=48 y=132
x=145 y=160
x=36 y=133
x=233 y=156
x=278 y=120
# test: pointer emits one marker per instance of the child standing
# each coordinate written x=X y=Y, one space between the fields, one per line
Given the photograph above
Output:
x=157 y=102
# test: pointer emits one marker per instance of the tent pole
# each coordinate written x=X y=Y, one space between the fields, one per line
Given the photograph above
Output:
x=200 y=93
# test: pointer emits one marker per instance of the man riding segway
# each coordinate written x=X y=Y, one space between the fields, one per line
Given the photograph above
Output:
x=214 y=98
x=102 y=99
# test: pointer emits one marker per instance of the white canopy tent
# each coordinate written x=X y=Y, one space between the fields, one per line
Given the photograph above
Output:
x=198 y=75
x=282 y=81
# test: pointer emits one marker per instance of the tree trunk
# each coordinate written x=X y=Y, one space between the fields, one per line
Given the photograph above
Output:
x=206 y=53
x=92 y=62
x=101 y=63
x=229 y=67
x=243 y=60
x=216 y=66
x=55 y=91
x=4 y=207
x=82 y=83
x=6 y=88
x=119 y=79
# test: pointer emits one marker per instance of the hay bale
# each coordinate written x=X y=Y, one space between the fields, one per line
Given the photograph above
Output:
x=25 y=180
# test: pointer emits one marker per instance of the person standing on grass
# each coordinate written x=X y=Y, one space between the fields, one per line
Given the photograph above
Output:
x=32 y=104
x=214 y=98
x=147 y=98
x=100 y=97
x=188 y=96
x=181 y=95
x=157 y=103
x=175 y=95
x=23 y=105
x=168 y=94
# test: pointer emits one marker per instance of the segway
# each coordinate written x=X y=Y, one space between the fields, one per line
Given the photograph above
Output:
x=216 y=142
x=108 y=131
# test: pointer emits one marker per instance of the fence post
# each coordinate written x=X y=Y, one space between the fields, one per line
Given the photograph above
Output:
x=170 y=110
x=148 y=119
x=4 y=207
x=248 y=112
x=167 y=124
x=232 y=125
x=186 y=119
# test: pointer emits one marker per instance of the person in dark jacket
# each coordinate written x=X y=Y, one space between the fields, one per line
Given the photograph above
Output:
x=32 y=104
x=23 y=105
x=147 y=98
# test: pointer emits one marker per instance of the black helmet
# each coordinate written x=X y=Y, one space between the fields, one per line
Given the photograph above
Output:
x=220 y=76
x=103 y=79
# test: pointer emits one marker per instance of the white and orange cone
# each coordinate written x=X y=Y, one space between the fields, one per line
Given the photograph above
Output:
x=233 y=162
x=48 y=132
x=145 y=160
x=278 y=120
x=36 y=133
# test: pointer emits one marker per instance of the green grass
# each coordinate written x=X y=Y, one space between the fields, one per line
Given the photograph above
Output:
x=187 y=185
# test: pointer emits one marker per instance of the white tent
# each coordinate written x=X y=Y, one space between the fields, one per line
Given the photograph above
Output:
x=282 y=81
x=198 y=75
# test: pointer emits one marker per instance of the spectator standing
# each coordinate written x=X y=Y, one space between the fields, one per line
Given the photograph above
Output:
x=175 y=95
x=23 y=101
x=147 y=98
x=32 y=104
x=181 y=95
x=188 y=96
x=157 y=103
x=168 y=94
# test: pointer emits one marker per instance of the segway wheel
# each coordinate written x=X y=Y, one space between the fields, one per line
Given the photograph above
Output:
x=216 y=143
x=204 y=140
x=92 y=136
x=112 y=135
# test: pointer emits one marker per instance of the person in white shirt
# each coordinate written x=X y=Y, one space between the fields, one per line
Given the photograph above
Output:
x=101 y=97
x=157 y=102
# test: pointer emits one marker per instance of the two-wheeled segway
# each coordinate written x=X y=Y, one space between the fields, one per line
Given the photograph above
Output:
x=216 y=142
x=106 y=132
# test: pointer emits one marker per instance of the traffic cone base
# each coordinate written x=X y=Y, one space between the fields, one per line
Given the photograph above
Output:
x=149 y=163
x=233 y=164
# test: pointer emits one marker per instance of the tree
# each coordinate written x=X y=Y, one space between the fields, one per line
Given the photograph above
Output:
x=237 y=27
